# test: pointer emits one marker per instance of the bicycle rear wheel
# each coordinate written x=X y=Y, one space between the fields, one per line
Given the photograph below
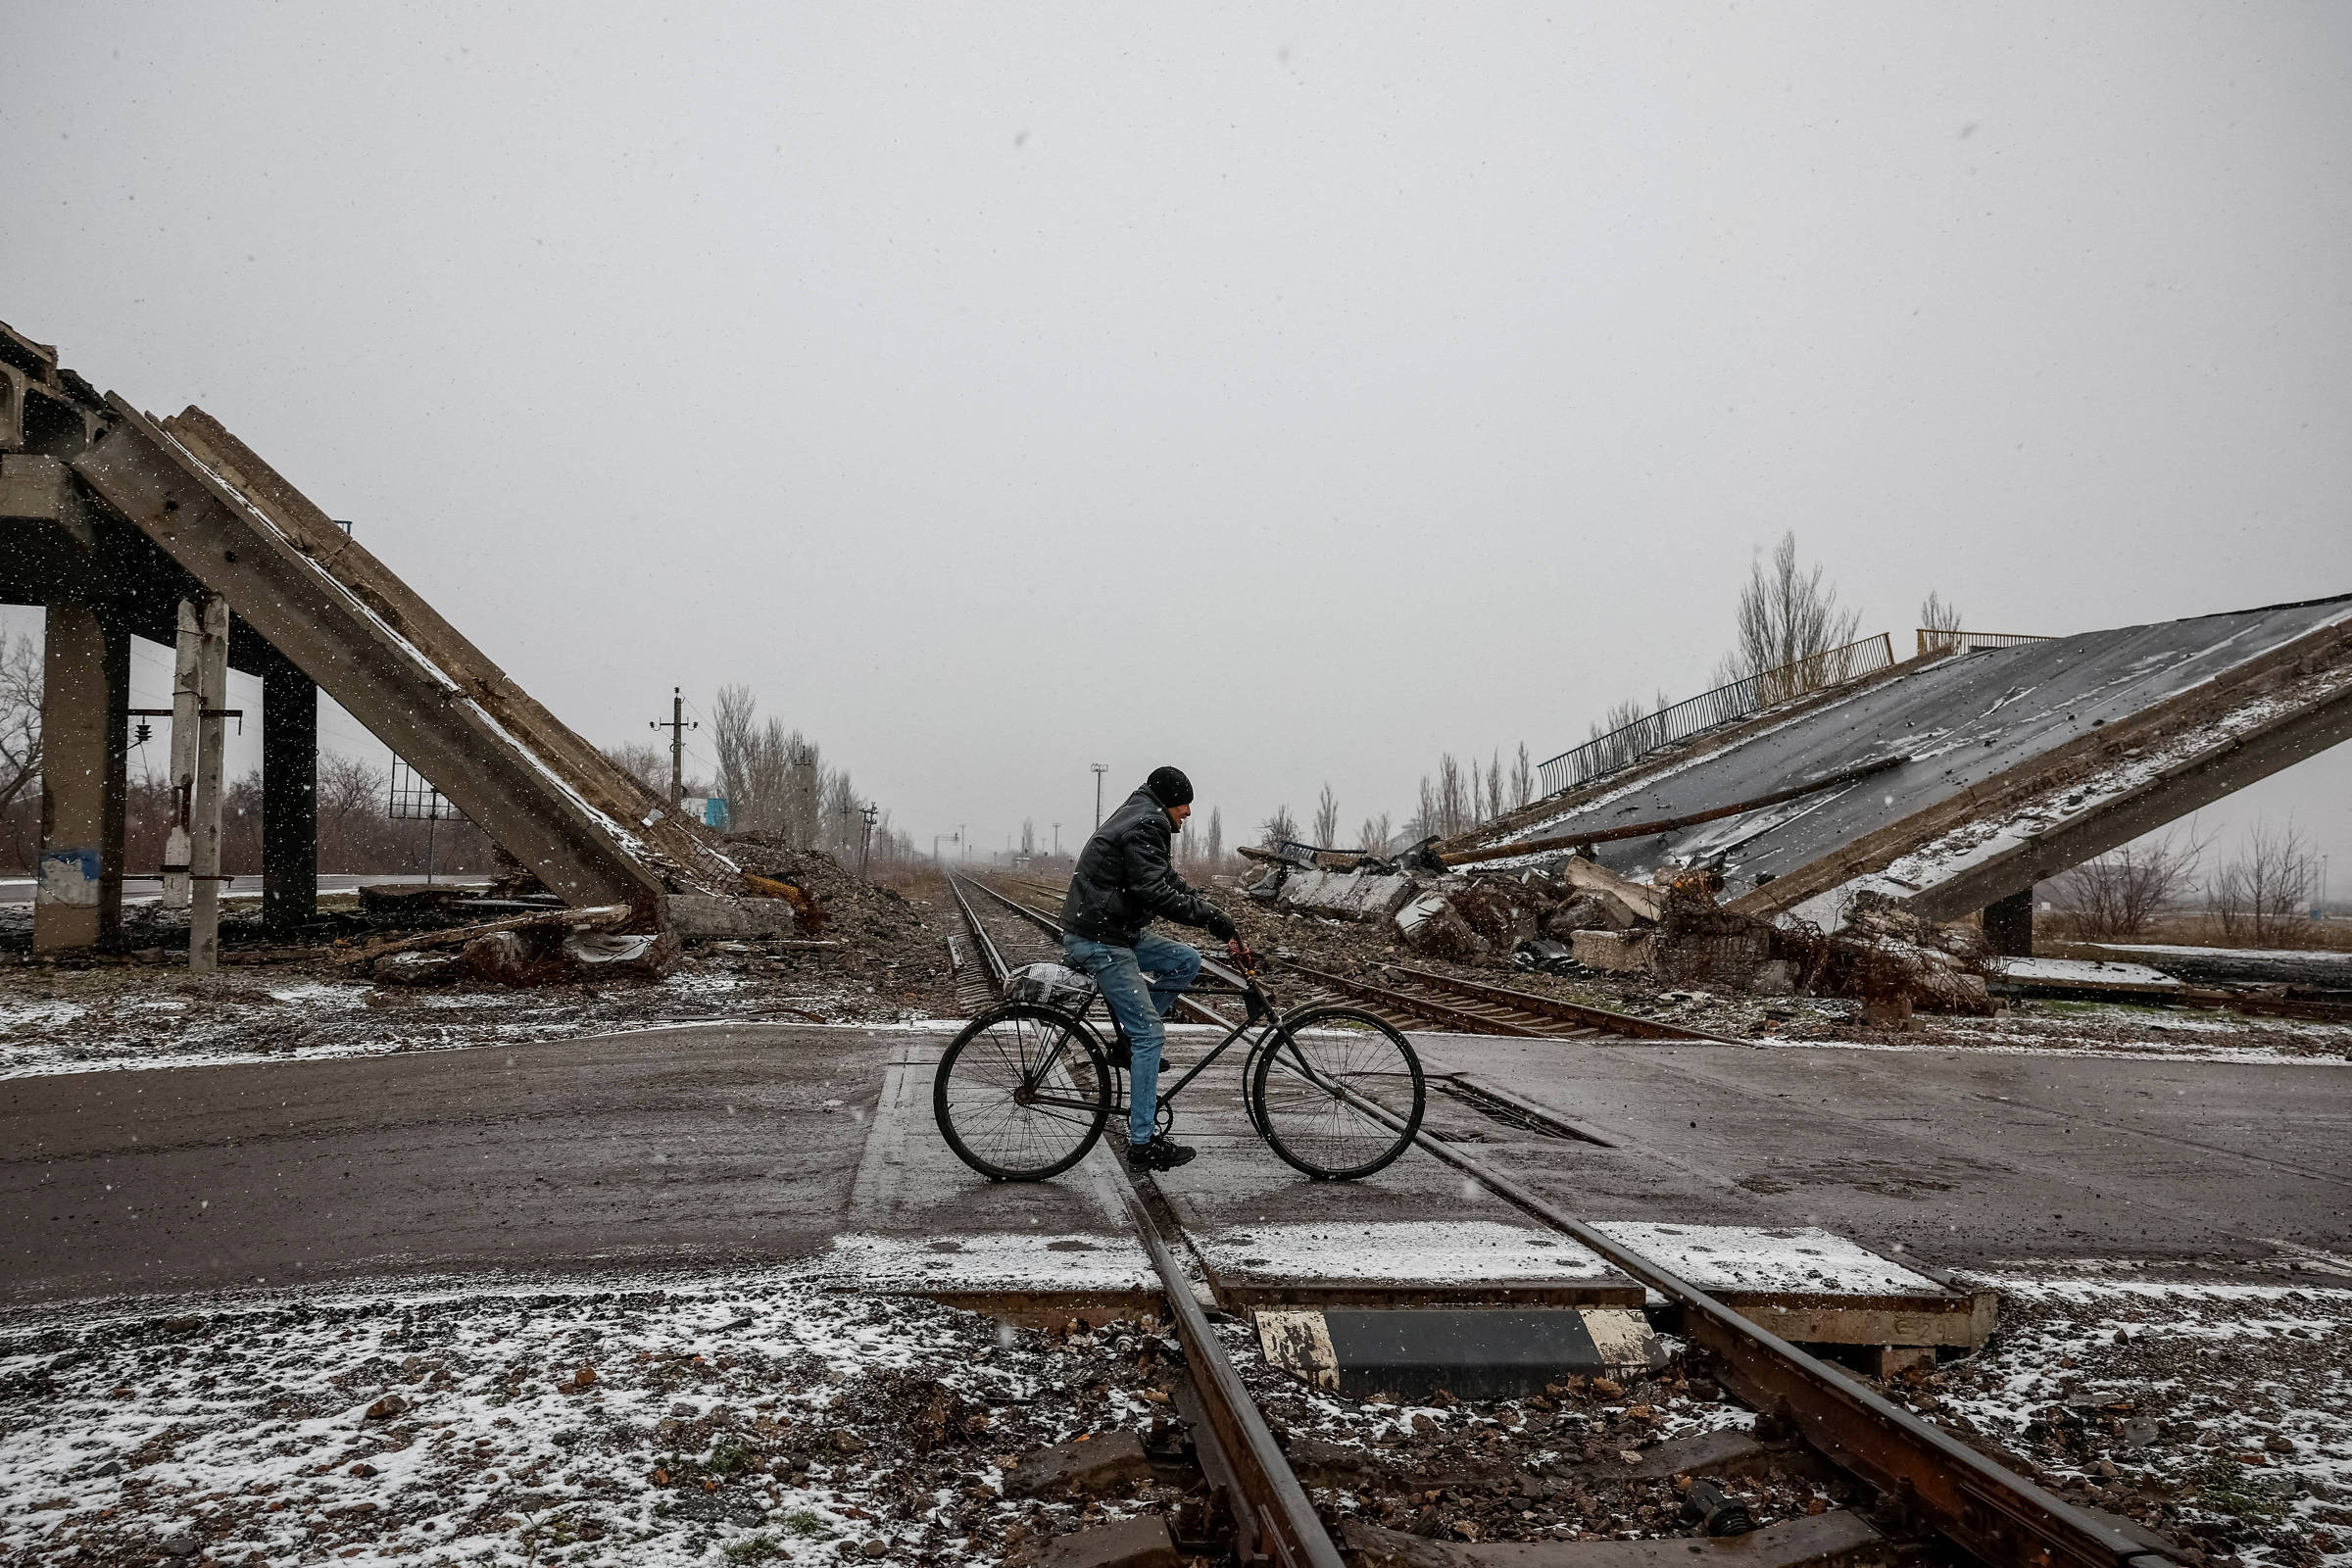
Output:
x=1314 y=1078
x=1022 y=1093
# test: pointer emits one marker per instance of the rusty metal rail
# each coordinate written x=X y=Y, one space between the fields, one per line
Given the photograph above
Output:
x=1472 y=1006
x=1273 y=1519
x=1983 y=1508
x=1272 y=1516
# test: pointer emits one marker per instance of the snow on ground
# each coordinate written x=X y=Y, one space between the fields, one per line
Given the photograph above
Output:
x=738 y=1418
x=78 y=1020
x=2219 y=1412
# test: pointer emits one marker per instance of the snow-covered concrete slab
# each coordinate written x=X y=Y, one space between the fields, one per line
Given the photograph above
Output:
x=1001 y=1263
x=1740 y=1257
x=2088 y=974
x=1438 y=1261
x=1807 y=1284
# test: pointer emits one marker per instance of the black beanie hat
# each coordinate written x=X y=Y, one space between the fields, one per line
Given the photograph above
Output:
x=1169 y=786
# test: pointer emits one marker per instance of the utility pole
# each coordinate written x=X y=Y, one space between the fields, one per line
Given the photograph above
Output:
x=963 y=845
x=677 y=727
x=1099 y=768
x=866 y=844
x=1057 y=841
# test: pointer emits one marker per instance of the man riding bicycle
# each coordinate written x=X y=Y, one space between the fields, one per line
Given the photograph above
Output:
x=1124 y=879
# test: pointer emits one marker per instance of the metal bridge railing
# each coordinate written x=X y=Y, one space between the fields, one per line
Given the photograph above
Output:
x=1741 y=698
x=1936 y=643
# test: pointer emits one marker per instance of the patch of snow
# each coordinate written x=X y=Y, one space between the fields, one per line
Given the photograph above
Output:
x=1400 y=1251
x=2080 y=971
x=1739 y=1257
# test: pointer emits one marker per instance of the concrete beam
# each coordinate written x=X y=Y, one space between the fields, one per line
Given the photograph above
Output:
x=340 y=642
x=2166 y=798
x=2159 y=765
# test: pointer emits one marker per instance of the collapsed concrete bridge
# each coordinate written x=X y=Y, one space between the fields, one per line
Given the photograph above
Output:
x=110 y=519
x=1956 y=781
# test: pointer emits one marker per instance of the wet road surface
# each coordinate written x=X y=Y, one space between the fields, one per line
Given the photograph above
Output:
x=737 y=1144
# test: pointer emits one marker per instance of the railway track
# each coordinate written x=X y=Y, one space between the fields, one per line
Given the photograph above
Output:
x=1273 y=1520
x=1930 y=1484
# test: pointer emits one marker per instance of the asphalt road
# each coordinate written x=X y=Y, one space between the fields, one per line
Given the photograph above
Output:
x=762 y=1142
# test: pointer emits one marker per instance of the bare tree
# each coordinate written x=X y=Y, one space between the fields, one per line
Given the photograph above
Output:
x=1280 y=826
x=1373 y=837
x=1494 y=805
x=20 y=717
x=647 y=765
x=775 y=779
x=1936 y=616
x=1788 y=619
x=1216 y=836
x=1028 y=836
x=2117 y=895
x=2263 y=897
x=1458 y=797
x=1327 y=819
x=351 y=796
x=1523 y=779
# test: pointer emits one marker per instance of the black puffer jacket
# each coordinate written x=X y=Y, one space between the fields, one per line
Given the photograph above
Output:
x=1124 y=878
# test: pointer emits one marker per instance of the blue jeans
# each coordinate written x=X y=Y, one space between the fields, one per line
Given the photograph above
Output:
x=1139 y=1004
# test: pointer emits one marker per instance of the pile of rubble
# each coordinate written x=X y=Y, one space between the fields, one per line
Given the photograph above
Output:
x=1577 y=917
x=797 y=900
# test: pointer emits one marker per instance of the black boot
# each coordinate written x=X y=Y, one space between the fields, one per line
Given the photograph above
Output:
x=1157 y=1154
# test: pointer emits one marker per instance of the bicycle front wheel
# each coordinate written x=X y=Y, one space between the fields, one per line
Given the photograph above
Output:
x=1022 y=1093
x=1318 y=1078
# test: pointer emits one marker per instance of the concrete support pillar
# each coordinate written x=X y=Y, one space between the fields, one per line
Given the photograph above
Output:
x=2009 y=925
x=209 y=625
x=289 y=796
x=113 y=829
x=69 y=900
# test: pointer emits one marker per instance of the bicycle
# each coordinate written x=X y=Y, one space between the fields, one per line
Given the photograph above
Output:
x=1025 y=1091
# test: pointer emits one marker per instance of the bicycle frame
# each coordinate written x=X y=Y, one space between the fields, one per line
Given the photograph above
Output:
x=1261 y=1017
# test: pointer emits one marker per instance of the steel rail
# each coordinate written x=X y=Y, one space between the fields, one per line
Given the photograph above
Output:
x=991 y=959
x=1982 y=1508
x=1429 y=1007
x=1618 y=1023
x=1985 y=1510
x=1272 y=1515
x=1271 y=1509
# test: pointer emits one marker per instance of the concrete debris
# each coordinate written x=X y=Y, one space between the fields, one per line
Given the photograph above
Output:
x=607 y=952
x=1363 y=894
x=1574 y=916
x=1618 y=951
x=710 y=917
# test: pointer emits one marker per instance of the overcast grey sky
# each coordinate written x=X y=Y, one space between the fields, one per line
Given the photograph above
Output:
x=1288 y=393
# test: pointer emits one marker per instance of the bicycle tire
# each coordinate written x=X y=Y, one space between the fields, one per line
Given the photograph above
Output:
x=975 y=1098
x=1308 y=1123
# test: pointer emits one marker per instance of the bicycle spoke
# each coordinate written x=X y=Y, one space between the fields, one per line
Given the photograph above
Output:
x=1020 y=1095
x=1312 y=1088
